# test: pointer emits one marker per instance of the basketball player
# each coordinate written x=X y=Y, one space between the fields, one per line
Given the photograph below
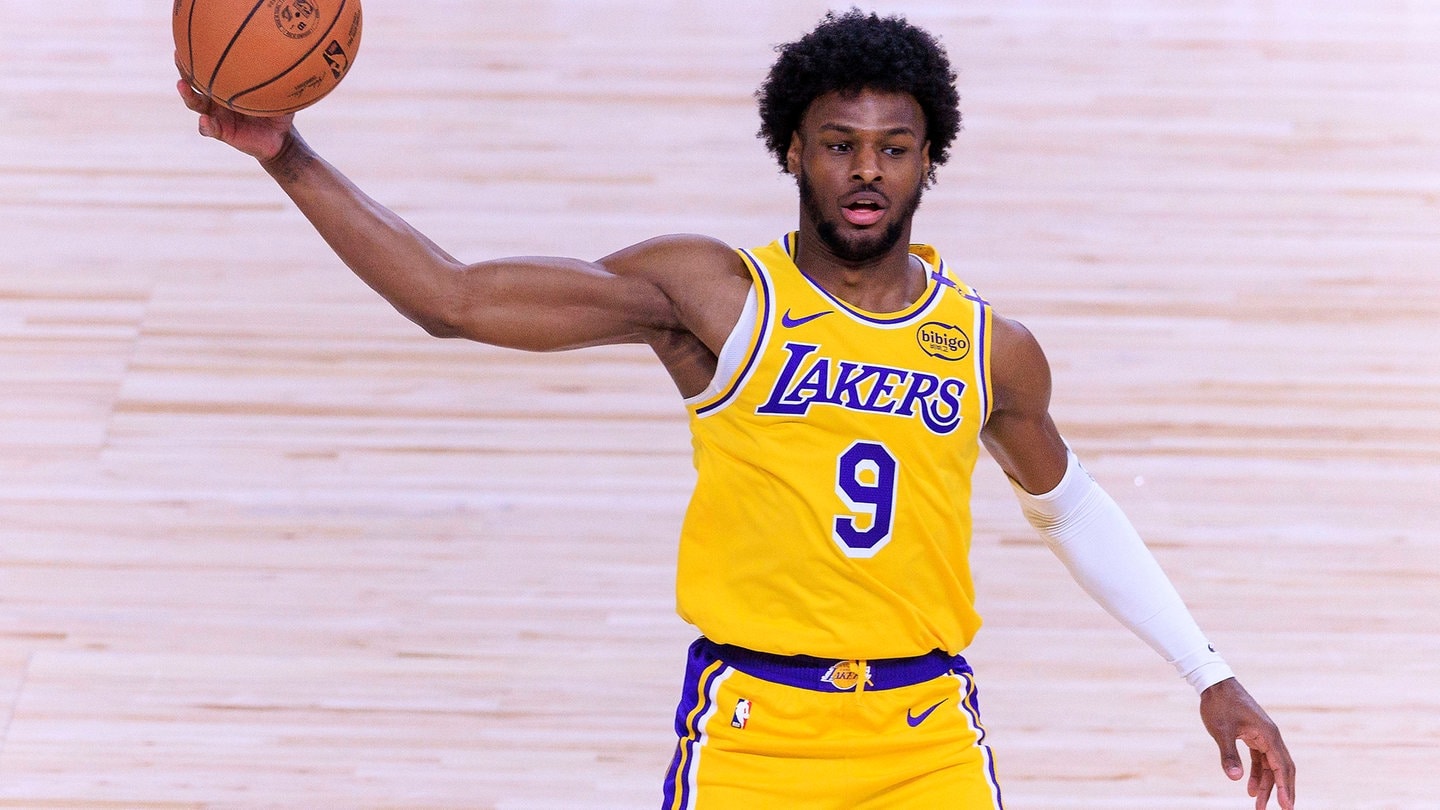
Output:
x=840 y=382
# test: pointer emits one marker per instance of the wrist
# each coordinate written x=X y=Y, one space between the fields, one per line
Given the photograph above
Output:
x=1222 y=685
x=292 y=155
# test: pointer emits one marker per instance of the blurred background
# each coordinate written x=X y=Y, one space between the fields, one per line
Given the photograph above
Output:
x=264 y=543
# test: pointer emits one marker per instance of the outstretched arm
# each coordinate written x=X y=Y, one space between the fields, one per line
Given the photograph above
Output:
x=675 y=293
x=1092 y=537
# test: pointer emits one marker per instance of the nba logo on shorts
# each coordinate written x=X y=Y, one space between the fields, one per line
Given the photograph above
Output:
x=742 y=713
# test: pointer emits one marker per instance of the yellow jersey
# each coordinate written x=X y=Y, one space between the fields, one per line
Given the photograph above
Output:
x=834 y=451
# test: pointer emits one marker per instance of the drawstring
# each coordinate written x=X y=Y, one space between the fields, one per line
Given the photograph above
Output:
x=862 y=675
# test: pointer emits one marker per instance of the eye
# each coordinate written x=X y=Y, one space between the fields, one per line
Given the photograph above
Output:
x=839 y=148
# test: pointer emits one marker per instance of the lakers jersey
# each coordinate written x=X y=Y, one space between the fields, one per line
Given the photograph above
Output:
x=831 y=516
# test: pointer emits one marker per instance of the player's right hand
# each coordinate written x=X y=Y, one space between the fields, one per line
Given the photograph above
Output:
x=260 y=138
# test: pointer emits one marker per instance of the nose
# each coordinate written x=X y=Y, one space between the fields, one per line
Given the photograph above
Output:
x=865 y=166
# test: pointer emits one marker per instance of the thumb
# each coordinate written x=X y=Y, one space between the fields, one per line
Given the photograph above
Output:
x=1230 y=758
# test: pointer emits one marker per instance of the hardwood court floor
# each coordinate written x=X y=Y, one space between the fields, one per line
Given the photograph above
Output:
x=264 y=544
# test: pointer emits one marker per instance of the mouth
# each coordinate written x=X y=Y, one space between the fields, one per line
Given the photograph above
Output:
x=863 y=209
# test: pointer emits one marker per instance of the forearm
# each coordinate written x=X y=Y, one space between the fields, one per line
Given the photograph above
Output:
x=387 y=253
x=1084 y=527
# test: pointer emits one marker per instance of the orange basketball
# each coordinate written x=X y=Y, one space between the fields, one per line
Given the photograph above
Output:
x=266 y=57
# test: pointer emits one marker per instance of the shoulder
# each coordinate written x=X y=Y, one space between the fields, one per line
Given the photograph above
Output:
x=704 y=279
x=1020 y=373
x=1020 y=434
x=681 y=254
x=1013 y=343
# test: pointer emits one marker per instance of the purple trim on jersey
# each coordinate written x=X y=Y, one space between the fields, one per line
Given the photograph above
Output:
x=982 y=353
x=789 y=242
x=695 y=704
x=982 y=337
x=806 y=672
x=976 y=298
x=766 y=300
x=935 y=290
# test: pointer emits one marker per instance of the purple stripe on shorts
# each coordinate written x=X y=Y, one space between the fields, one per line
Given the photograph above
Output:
x=970 y=704
x=694 y=705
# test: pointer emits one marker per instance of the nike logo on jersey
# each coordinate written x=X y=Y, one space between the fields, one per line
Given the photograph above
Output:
x=790 y=323
x=916 y=719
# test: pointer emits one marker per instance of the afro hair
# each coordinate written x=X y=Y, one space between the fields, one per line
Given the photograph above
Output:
x=856 y=51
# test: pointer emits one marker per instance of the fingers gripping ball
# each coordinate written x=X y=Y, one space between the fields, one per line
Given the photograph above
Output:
x=265 y=57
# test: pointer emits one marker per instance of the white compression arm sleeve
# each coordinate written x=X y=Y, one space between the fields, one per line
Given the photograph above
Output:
x=1085 y=528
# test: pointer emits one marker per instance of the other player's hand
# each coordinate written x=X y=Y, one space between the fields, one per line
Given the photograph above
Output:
x=1230 y=714
x=260 y=138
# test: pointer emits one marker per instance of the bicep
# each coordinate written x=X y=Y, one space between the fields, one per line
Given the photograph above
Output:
x=549 y=304
x=681 y=294
x=1020 y=434
x=649 y=292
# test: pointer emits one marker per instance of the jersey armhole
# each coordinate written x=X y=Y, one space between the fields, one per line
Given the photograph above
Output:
x=985 y=324
x=733 y=354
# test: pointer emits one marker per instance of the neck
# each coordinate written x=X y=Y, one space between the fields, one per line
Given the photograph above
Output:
x=888 y=282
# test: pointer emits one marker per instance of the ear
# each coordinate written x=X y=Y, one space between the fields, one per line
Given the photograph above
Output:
x=792 y=155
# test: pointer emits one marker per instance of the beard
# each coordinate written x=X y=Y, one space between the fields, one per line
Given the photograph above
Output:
x=858 y=248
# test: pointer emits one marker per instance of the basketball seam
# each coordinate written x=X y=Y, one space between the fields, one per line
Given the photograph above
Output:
x=324 y=36
x=190 y=44
x=240 y=29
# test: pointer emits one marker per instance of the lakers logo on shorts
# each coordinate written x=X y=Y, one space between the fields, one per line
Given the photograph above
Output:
x=846 y=675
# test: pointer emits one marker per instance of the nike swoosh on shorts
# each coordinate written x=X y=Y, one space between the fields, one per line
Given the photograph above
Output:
x=915 y=720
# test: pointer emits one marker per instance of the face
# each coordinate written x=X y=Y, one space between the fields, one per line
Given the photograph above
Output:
x=861 y=161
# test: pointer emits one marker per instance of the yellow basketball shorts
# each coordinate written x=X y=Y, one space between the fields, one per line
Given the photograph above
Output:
x=759 y=731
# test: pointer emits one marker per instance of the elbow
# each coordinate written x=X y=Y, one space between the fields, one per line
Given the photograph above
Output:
x=436 y=314
x=437 y=326
x=443 y=312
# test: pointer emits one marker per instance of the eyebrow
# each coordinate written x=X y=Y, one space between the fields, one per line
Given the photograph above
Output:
x=846 y=129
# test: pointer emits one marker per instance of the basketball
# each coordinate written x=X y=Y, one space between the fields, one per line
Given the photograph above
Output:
x=265 y=57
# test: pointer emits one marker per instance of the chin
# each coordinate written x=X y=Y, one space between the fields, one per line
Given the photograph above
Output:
x=855 y=246
x=860 y=247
